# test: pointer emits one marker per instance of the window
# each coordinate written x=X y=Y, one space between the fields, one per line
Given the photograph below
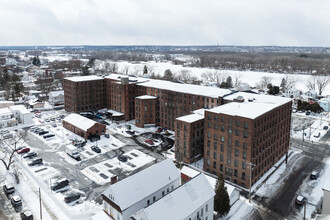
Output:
x=206 y=208
x=209 y=116
x=214 y=155
x=245 y=134
x=236 y=163
x=168 y=190
x=245 y=125
x=228 y=161
x=236 y=143
x=148 y=202
x=221 y=157
x=209 y=124
x=215 y=118
x=208 y=153
x=237 y=123
x=208 y=134
x=222 y=119
x=235 y=173
x=214 y=164
x=237 y=132
x=222 y=147
x=215 y=145
x=215 y=137
x=154 y=198
x=244 y=154
x=243 y=165
x=208 y=143
x=222 y=138
x=215 y=127
x=243 y=176
x=236 y=152
x=244 y=146
x=221 y=167
x=202 y=212
x=222 y=128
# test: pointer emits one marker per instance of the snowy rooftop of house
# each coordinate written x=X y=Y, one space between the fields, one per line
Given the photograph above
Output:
x=193 y=172
x=250 y=110
x=146 y=97
x=83 y=78
x=258 y=98
x=79 y=121
x=177 y=87
x=6 y=102
x=5 y=111
x=181 y=202
x=190 y=118
x=20 y=108
x=56 y=93
x=134 y=188
x=326 y=100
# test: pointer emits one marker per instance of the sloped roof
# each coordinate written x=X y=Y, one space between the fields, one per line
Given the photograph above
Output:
x=181 y=202
x=135 y=188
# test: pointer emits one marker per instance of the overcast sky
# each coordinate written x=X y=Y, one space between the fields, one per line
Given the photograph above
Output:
x=166 y=22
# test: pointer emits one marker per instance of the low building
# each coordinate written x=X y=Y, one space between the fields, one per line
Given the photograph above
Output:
x=187 y=173
x=36 y=104
x=325 y=104
x=293 y=93
x=82 y=126
x=6 y=118
x=21 y=114
x=192 y=200
x=56 y=98
x=124 y=198
x=326 y=199
x=145 y=111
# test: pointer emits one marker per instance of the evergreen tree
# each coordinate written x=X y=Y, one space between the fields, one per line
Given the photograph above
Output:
x=36 y=61
x=283 y=85
x=221 y=198
x=168 y=75
x=145 y=70
x=229 y=82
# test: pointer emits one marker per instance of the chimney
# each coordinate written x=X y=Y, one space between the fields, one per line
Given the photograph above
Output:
x=114 y=179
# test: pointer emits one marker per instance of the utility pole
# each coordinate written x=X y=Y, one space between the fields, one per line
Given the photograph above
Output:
x=251 y=166
x=303 y=134
x=40 y=204
x=305 y=209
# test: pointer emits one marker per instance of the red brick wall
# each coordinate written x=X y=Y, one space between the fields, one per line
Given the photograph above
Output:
x=145 y=111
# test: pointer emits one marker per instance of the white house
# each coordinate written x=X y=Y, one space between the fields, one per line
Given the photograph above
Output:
x=325 y=104
x=311 y=94
x=326 y=198
x=6 y=118
x=21 y=114
x=124 y=198
x=292 y=93
x=192 y=200
x=187 y=173
x=56 y=98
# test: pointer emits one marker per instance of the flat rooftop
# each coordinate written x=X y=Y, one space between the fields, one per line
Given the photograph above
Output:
x=190 y=118
x=83 y=78
x=257 y=98
x=146 y=97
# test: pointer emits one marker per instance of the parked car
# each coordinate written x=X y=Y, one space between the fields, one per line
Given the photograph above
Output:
x=16 y=201
x=131 y=132
x=47 y=120
x=54 y=125
x=30 y=155
x=318 y=135
x=300 y=200
x=149 y=141
x=8 y=189
x=122 y=158
x=325 y=127
x=96 y=149
x=8 y=136
x=36 y=162
x=60 y=184
x=20 y=148
x=26 y=215
x=106 y=135
x=307 y=113
x=52 y=119
x=72 y=197
x=159 y=130
x=43 y=132
x=24 y=150
x=314 y=175
x=46 y=136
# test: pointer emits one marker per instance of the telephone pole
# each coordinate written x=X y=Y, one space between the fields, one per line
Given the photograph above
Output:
x=251 y=166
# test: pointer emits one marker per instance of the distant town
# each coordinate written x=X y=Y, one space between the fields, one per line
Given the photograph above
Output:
x=164 y=132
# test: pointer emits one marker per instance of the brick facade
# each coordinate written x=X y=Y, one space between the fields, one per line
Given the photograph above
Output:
x=97 y=128
x=145 y=110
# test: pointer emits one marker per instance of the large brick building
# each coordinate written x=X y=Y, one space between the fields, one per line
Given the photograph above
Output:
x=118 y=93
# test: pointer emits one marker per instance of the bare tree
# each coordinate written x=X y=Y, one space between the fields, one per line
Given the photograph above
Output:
x=311 y=83
x=237 y=78
x=124 y=70
x=214 y=76
x=7 y=157
x=265 y=80
x=185 y=76
x=321 y=82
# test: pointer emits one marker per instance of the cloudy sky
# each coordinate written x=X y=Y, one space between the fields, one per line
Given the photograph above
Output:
x=166 y=22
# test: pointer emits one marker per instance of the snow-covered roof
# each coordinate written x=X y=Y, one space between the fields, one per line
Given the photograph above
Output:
x=146 y=97
x=258 y=98
x=5 y=111
x=79 y=121
x=134 y=188
x=190 y=118
x=213 y=92
x=20 y=108
x=325 y=100
x=245 y=109
x=6 y=102
x=115 y=113
x=200 y=111
x=56 y=93
x=83 y=78
x=181 y=202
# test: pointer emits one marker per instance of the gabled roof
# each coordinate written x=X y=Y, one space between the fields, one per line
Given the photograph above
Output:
x=79 y=121
x=135 y=188
x=181 y=202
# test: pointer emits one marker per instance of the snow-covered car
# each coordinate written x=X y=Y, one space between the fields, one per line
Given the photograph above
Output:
x=314 y=175
x=300 y=200
x=96 y=149
x=122 y=158
x=30 y=155
x=8 y=189
x=26 y=215
x=16 y=201
x=72 y=197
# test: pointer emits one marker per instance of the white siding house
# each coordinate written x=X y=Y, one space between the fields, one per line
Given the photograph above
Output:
x=192 y=200
x=326 y=199
x=124 y=198
x=292 y=93
x=6 y=118
x=56 y=98
x=21 y=114
x=325 y=104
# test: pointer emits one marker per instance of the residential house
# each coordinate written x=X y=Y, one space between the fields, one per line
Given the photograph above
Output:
x=192 y=200
x=293 y=93
x=124 y=198
x=325 y=104
x=6 y=118
x=56 y=98
x=21 y=114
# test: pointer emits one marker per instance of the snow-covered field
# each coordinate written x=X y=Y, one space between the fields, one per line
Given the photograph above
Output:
x=250 y=77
